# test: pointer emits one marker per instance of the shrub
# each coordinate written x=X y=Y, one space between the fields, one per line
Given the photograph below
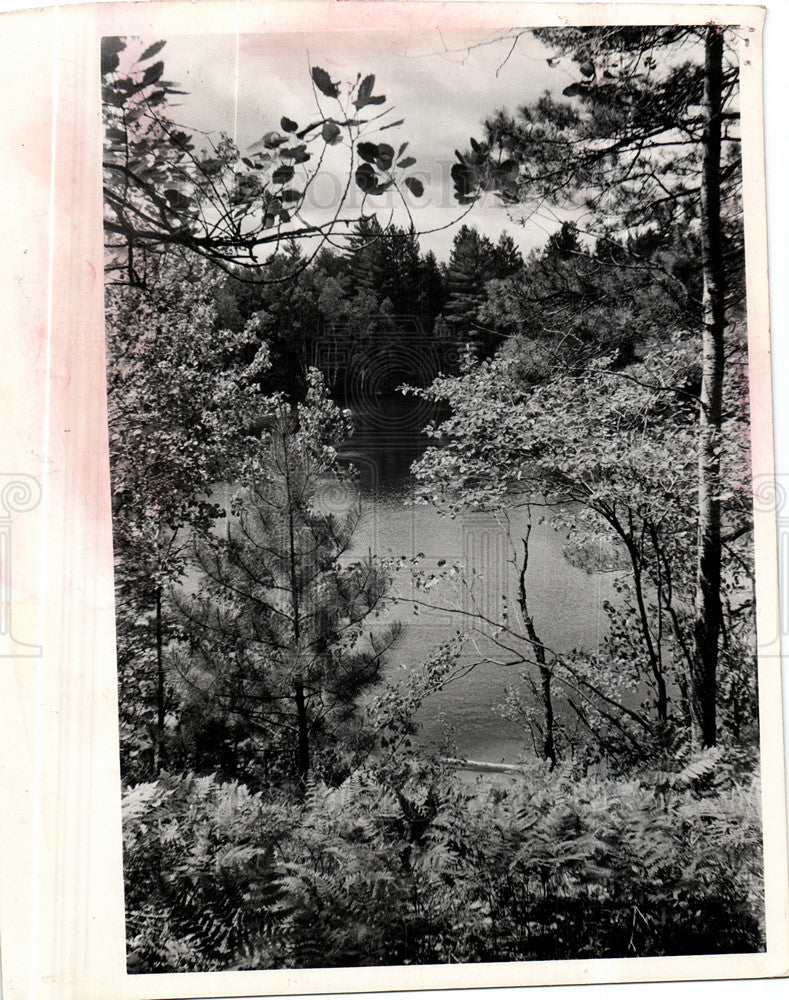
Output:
x=378 y=872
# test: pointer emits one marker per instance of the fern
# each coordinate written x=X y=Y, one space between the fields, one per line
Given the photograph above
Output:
x=400 y=866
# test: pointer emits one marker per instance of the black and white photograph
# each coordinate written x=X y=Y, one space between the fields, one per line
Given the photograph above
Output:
x=432 y=497
x=435 y=557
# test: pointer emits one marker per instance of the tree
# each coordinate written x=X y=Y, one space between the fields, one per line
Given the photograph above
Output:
x=575 y=299
x=280 y=633
x=182 y=400
x=632 y=480
x=474 y=261
x=643 y=141
x=161 y=191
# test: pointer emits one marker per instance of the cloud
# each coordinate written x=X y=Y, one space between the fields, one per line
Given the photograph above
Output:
x=443 y=84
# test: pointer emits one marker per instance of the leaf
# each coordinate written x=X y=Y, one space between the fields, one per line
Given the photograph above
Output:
x=110 y=47
x=366 y=178
x=465 y=181
x=415 y=186
x=282 y=174
x=368 y=151
x=331 y=133
x=575 y=89
x=176 y=200
x=271 y=140
x=288 y=125
x=399 y=121
x=407 y=161
x=298 y=153
x=290 y=195
x=365 y=88
x=324 y=82
x=181 y=140
x=152 y=74
x=385 y=156
x=504 y=169
x=364 y=94
x=152 y=50
x=587 y=69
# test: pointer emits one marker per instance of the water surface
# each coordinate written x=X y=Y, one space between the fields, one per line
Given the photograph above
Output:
x=565 y=602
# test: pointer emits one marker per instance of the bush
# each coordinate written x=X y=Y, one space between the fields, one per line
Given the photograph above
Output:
x=373 y=873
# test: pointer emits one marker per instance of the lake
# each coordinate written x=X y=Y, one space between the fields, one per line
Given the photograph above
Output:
x=565 y=602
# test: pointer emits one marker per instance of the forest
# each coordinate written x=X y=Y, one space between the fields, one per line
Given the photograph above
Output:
x=287 y=384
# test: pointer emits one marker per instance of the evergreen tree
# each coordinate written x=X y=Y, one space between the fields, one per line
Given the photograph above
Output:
x=471 y=264
x=475 y=261
x=279 y=637
x=650 y=134
x=430 y=282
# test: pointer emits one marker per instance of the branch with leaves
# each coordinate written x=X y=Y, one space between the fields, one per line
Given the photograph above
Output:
x=161 y=191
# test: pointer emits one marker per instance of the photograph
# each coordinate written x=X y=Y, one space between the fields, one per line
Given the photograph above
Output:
x=432 y=500
x=391 y=528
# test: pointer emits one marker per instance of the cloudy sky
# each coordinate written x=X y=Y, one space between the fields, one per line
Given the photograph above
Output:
x=442 y=84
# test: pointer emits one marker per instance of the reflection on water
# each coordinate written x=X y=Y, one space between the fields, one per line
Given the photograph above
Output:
x=564 y=601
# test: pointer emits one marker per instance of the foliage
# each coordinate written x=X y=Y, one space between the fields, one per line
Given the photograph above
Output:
x=182 y=399
x=161 y=190
x=200 y=870
x=474 y=262
x=625 y=498
x=375 y=872
x=650 y=138
x=626 y=138
x=279 y=633
x=576 y=299
x=257 y=653
x=344 y=311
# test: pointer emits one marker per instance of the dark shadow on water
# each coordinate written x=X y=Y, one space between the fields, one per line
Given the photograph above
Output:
x=388 y=437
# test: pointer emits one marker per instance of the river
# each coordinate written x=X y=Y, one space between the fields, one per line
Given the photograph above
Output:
x=565 y=601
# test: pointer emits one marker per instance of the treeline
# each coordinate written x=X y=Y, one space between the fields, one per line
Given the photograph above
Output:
x=343 y=310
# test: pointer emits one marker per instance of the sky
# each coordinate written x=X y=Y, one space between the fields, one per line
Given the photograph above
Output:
x=442 y=84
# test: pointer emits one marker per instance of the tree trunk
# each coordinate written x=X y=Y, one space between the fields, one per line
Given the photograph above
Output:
x=548 y=742
x=158 y=744
x=707 y=623
x=302 y=716
x=303 y=749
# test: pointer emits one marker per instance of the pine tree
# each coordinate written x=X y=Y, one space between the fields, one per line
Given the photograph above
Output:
x=471 y=264
x=279 y=636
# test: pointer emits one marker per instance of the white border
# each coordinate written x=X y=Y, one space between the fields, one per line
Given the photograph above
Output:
x=59 y=829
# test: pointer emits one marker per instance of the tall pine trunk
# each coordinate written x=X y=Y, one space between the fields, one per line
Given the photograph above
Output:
x=707 y=623
x=302 y=715
x=158 y=745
